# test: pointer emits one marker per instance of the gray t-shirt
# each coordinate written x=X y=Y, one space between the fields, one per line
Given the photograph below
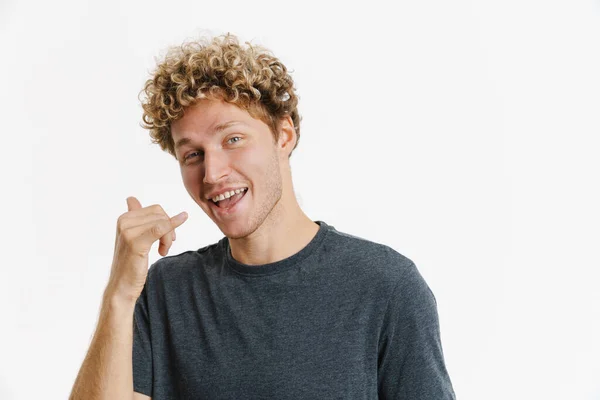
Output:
x=343 y=318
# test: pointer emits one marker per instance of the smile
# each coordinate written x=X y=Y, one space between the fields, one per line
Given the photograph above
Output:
x=232 y=205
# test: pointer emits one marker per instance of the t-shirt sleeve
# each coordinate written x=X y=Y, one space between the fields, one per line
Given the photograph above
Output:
x=142 y=348
x=411 y=362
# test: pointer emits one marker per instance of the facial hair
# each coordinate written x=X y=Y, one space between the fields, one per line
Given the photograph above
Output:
x=266 y=210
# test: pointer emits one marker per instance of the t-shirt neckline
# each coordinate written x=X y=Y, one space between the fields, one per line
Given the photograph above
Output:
x=277 y=266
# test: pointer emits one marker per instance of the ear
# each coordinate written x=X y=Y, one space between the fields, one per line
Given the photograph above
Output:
x=287 y=136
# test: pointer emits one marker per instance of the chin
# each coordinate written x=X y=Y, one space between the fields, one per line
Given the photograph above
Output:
x=235 y=230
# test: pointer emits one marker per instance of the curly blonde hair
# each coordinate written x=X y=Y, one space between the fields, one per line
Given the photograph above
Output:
x=251 y=78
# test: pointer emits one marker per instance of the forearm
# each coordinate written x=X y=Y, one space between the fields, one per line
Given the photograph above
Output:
x=106 y=372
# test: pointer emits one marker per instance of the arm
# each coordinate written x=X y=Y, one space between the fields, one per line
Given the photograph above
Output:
x=411 y=362
x=106 y=372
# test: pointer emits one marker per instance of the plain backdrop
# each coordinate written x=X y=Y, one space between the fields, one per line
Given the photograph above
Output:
x=464 y=134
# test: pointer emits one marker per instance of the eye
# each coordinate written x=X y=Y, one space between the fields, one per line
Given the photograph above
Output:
x=188 y=156
x=195 y=152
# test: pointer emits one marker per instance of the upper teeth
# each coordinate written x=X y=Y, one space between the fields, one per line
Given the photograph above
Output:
x=227 y=195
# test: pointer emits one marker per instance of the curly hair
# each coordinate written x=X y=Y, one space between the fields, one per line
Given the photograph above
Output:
x=252 y=78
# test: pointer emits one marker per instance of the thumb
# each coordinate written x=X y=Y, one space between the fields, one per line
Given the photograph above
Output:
x=133 y=204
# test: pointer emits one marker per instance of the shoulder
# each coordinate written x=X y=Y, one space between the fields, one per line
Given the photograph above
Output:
x=379 y=261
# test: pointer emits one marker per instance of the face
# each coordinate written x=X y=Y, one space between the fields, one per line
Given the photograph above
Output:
x=242 y=154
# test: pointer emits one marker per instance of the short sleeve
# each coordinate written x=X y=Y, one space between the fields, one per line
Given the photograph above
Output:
x=411 y=362
x=142 y=347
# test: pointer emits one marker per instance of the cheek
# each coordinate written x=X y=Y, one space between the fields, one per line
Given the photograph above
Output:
x=186 y=175
x=255 y=162
x=190 y=180
x=241 y=167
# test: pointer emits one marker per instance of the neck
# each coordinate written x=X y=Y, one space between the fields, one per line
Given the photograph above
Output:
x=283 y=233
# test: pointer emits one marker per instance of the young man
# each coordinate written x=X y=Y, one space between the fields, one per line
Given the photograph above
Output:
x=282 y=307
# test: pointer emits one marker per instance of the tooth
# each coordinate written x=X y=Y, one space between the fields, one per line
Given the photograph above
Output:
x=227 y=194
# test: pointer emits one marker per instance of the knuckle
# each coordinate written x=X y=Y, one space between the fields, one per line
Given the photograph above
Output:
x=156 y=208
x=120 y=221
x=157 y=230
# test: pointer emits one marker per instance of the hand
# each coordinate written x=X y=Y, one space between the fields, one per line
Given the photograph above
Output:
x=137 y=230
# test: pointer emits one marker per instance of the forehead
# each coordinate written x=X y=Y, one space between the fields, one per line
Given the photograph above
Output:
x=205 y=115
x=209 y=116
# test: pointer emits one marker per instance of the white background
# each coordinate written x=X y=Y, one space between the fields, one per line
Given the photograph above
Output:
x=464 y=134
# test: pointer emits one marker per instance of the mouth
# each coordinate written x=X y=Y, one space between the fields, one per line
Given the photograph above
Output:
x=228 y=206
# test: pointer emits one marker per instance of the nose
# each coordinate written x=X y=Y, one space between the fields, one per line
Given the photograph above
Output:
x=216 y=166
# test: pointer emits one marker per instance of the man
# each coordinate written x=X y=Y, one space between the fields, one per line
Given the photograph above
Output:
x=282 y=307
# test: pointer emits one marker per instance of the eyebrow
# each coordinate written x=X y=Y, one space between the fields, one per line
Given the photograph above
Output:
x=218 y=128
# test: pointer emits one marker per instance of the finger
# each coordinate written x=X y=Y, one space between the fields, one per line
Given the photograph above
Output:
x=164 y=245
x=139 y=216
x=178 y=220
x=167 y=240
x=133 y=204
x=147 y=232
